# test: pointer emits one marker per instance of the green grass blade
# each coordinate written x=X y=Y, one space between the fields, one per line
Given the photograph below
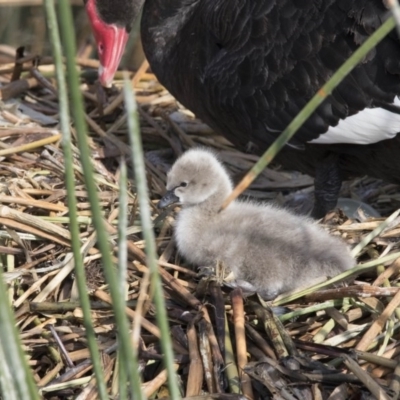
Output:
x=141 y=184
x=122 y=262
x=71 y=199
x=129 y=356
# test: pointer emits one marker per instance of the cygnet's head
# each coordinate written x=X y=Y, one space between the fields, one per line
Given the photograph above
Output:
x=196 y=177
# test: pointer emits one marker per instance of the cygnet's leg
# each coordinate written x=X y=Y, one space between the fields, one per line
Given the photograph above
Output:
x=327 y=184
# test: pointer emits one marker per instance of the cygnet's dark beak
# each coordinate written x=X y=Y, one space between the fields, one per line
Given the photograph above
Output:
x=167 y=199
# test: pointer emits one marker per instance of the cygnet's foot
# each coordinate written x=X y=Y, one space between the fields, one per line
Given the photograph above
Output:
x=208 y=273
x=268 y=295
x=280 y=310
x=247 y=288
x=205 y=272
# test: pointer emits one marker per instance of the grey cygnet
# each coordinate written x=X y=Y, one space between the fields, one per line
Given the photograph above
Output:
x=271 y=248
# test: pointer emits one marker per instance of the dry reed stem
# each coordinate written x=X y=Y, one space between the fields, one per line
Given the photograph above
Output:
x=11 y=223
x=220 y=314
x=26 y=130
x=395 y=383
x=356 y=291
x=14 y=89
x=33 y=203
x=240 y=337
x=150 y=387
x=216 y=351
x=339 y=393
x=260 y=342
x=387 y=273
x=51 y=375
x=90 y=391
x=195 y=375
x=266 y=318
x=372 y=386
x=33 y=289
x=205 y=352
x=153 y=329
x=35 y=222
x=378 y=325
x=30 y=146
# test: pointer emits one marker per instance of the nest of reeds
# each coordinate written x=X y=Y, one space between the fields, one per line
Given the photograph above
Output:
x=329 y=342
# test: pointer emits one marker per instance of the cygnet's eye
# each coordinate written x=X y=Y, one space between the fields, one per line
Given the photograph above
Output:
x=183 y=184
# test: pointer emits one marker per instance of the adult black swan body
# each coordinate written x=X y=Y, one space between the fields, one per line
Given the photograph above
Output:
x=247 y=67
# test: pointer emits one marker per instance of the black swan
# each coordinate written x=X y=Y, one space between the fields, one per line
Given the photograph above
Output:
x=246 y=67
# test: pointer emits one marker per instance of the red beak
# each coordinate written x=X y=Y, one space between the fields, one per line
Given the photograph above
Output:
x=111 y=41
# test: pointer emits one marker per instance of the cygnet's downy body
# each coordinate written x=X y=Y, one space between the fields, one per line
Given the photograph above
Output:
x=270 y=248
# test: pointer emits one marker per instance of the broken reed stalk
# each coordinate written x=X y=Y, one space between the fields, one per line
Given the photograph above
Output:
x=206 y=357
x=71 y=199
x=129 y=354
x=232 y=372
x=310 y=107
x=148 y=234
x=196 y=372
x=215 y=348
x=240 y=336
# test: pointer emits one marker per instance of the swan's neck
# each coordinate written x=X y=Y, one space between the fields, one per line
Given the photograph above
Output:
x=212 y=204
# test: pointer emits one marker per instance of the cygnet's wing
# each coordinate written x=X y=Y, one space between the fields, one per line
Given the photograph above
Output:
x=273 y=248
